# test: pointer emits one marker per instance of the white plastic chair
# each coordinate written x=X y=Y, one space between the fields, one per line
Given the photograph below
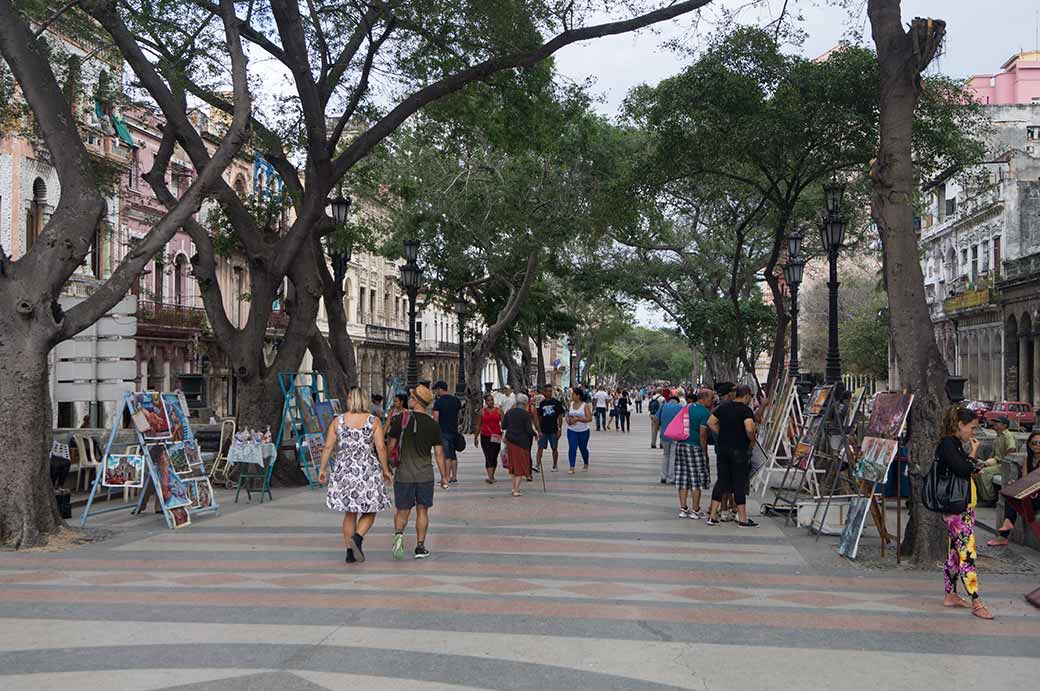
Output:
x=87 y=461
x=220 y=470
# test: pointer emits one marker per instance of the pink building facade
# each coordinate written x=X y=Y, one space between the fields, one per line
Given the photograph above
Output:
x=1017 y=84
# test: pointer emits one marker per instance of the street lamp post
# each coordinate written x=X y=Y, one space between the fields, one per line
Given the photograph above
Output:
x=340 y=257
x=793 y=275
x=832 y=232
x=411 y=275
x=460 y=312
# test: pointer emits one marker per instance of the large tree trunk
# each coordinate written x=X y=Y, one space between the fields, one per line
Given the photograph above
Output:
x=778 y=354
x=526 y=361
x=918 y=356
x=540 y=359
x=27 y=509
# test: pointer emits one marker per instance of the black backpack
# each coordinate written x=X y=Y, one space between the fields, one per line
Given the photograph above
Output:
x=655 y=405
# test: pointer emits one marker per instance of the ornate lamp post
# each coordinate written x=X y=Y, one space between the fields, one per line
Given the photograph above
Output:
x=411 y=275
x=459 y=308
x=793 y=276
x=832 y=232
x=340 y=257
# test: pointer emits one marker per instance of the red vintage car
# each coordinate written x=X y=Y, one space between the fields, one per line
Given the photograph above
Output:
x=1013 y=410
x=980 y=408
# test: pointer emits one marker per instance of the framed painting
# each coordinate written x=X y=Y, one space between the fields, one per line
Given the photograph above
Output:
x=855 y=403
x=171 y=487
x=802 y=455
x=178 y=459
x=312 y=447
x=123 y=471
x=200 y=493
x=848 y=545
x=876 y=455
x=888 y=418
x=180 y=517
x=180 y=428
x=337 y=407
x=323 y=410
x=818 y=399
x=148 y=411
x=305 y=404
x=192 y=454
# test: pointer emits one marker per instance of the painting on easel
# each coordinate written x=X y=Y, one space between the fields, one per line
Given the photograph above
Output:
x=148 y=411
x=848 y=545
x=888 y=418
x=123 y=471
x=876 y=456
x=305 y=402
x=180 y=428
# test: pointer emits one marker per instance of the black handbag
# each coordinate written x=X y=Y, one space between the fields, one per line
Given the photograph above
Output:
x=460 y=442
x=943 y=491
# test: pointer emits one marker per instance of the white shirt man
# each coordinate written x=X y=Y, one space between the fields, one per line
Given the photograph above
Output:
x=506 y=400
x=601 y=399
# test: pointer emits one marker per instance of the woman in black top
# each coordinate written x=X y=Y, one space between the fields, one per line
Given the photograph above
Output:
x=1010 y=515
x=518 y=430
x=959 y=426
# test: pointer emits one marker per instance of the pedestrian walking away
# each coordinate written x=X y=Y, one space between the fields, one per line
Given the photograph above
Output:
x=601 y=398
x=518 y=431
x=360 y=474
x=549 y=425
x=665 y=414
x=579 y=415
x=1010 y=515
x=692 y=474
x=416 y=434
x=733 y=423
x=490 y=437
x=958 y=429
x=446 y=413
x=624 y=417
x=638 y=398
x=655 y=422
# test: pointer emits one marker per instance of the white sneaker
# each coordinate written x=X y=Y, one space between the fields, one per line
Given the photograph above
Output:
x=728 y=516
x=683 y=513
x=695 y=515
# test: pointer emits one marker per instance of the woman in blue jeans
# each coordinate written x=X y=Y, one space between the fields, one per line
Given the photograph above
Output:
x=579 y=415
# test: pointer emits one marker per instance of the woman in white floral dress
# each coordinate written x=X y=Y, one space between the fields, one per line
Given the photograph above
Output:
x=360 y=473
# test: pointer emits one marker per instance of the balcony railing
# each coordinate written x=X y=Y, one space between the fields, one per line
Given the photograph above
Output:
x=969 y=299
x=385 y=334
x=171 y=315
x=437 y=347
x=1022 y=268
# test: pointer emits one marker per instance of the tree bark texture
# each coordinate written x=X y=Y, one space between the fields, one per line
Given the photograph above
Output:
x=902 y=56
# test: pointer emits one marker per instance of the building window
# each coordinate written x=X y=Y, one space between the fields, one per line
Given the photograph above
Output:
x=372 y=304
x=985 y=257
x=996 y=256
x=1033 y=132
x=180 y=271
x=964 y=261
x=361 y=306
x=951 y=206
x=34 y=216
x=974 y=262
x=237 y=294
x=135 y=170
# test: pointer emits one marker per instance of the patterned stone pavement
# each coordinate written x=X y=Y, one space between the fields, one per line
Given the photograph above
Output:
x=595 y=584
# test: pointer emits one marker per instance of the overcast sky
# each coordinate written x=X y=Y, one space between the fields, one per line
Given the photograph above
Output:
x=980 y=37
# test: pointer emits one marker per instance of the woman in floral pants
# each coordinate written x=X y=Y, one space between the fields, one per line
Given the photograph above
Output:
x=959 y=429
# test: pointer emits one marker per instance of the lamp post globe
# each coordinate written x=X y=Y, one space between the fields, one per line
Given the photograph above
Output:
x=793 y=272
x=340 y=206
x=832 y=234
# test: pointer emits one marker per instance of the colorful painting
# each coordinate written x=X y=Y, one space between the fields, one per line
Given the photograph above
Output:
x=312 y=447
x=337 y=407
x=148 y=411
x=180 y=428
x=876 y=455
x=200 y=493
x=888 y=418
x=191 y=452
x=848 y=545
x=178 y=459
x=812 y=428
x=855 y=403
x=174 y=494
x=305 y=404
x=325 y=414
x=123 y=471
x=180 y=517
x=819 y=398
x=802 y=455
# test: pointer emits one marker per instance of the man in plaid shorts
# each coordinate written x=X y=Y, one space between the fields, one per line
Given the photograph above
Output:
x=691 y=456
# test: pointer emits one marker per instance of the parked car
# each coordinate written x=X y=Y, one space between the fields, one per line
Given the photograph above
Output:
x=980 y=408
x=1014 y=411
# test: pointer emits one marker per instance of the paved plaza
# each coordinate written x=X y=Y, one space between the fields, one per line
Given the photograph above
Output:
x=593 y=585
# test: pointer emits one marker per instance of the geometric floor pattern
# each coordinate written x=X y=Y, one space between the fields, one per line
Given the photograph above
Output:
x=595 y=584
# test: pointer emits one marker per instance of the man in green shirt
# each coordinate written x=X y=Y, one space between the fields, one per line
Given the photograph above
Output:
x=415 y=437
x=1004 y=444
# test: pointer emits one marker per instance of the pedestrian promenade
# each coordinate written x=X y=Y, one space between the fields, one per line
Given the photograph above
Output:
x=595 y=584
